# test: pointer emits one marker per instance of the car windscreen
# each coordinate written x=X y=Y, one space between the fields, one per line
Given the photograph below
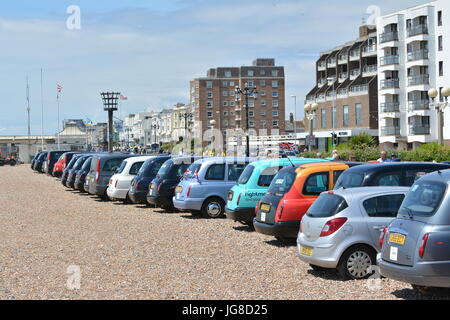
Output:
x=283 y=181
x=192 y=170
x=245 y=176
x=350 y=180
x=327 y=205
x=165 y=168
x=423 y=199
x=178 y=170
x=150 y=168
x=112 y=165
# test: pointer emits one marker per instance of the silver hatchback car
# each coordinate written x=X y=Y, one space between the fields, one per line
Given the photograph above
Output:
x=416 y=245
x=342 y=228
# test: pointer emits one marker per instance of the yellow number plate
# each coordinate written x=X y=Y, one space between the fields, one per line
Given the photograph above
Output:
x=265 y=207
x=306 y=251
x=397 y=238
x=179 y=189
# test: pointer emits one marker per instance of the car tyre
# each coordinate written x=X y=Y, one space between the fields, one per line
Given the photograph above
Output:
x=355 y=261
x=213 y=208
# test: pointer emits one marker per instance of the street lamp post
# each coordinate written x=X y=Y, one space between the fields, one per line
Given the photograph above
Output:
x=310 y=110
x=186 y=116
x=110 y=103
x=440 y=107
x=333 y=119
x=155 y=127
x=212 y=123
x=295 y=115
x=246 y=92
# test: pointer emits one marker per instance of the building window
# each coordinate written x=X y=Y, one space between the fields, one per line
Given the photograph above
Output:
x=231 y=103
x=323 y=118
x=209 y=94
x=440 y=43
x=209 y=84
x=275 y=103
x=225 y=93
x=225 y=84
x=251 y=123
x=439 y=18
x=262 y=72
x=275 y=123
x=251 y=114
x=250 y=84
x=358 y=114
x=333 y=117
x=210 y=114
x=225 y=123
x=346 y=118
x=441 y=68
x=231 y=113
x=225 y=113
x=275 y=113
x=225 y=103
x=274 y=84
x=274 y=73
x=275 y=94
x=262 y=93
x=263 y=103
x=227 y=74
x=262 y=83
x=231 y=83
x=209 y=104
x=250 y=73
x=251 y=104
x=263 y=113
x=263 y=123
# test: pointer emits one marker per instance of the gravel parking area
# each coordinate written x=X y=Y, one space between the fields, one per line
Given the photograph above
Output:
x=135 y=252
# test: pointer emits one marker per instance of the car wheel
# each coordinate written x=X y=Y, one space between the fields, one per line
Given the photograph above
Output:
x=355 y=263
x=213 y=208
x=425 y=291
x=127 y=199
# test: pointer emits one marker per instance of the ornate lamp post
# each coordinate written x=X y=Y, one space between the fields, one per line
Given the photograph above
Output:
x=246 y=92
x=155 y=127
x=440 y=106
x=186 y=116
x=110 y=103
x=310 y=110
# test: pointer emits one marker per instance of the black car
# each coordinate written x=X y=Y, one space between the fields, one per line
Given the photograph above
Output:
x=387 y=174
x=140 y=184
x=33 y=161
x=39 y=163
x=68 y=170
x=162 y=188
x=72 y=173
x=52 y=158
x=80 y=178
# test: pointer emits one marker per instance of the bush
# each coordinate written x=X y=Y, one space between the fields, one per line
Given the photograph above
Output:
x=427 y=152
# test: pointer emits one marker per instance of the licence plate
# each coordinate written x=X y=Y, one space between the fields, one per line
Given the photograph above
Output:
x=306 y=251
x=397 y=238
x=265 y=207
x=263 y=216
x=178 y=196
x=179 y=189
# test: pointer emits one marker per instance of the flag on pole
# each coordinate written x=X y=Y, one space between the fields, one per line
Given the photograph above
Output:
x=123 y=97
x=88 y=122
x=59 y=88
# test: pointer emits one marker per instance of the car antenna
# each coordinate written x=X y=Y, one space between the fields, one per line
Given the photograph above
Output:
x=286 y=157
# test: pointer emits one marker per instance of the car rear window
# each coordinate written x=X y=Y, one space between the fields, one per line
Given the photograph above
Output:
x=86 y=164
x=423 y=199
x=151 y=167
x=283 y=181
x=246 y=174
x=350 y=180
x=215 y=172
x=135 y=168
x=165 y=168
x=72 y=163
x=79 y=163
x=112 y=165
x=327 y=205
x=266 y=177
x=122 y=166
x=234 y=171
x=192 y=170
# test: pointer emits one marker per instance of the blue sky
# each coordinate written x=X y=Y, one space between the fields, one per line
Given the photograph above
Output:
x=149 y=50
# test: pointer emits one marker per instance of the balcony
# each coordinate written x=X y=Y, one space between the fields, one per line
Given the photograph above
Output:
x=355 y=55
x=332 y=62
x=343 y=76
x=343 y=59
x=390 y=107
x=322 y=82
x=359 y=89
x=419 y=129
x=354 y=73
x=390 y=131
x=238 y=108
x=418 y=55
x=322 y=65
x=417 y=105
x=387 y=60
x=422 y=79
x=369 y=50
x=390 y=84
x=416 y=30
x=389 y=36
x=370 y=70
x=238 y=118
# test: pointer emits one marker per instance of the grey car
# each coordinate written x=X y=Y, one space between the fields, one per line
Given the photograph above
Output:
x=416 y=245
x=341 y=230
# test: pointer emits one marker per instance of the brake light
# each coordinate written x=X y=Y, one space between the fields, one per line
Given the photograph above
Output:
x=115 y=185
x=137 y=185
x=159 y=187
x=280 y=211
x=423 y=245
x=257 y=207
x=382 y=235
x=332 y=226
x=238 y=199
x=188 y=191
x=97 y=175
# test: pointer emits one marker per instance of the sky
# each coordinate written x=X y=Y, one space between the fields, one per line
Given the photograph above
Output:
x=149 y=50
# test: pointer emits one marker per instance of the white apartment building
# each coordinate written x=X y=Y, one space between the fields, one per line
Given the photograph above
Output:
x=414 y=56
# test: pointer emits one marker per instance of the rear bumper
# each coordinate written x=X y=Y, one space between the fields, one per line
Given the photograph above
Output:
x=428 y=274
x=115 y=193
x=241 y=214
x=159 y=201
x=138 y=197
x=189 y=204
x=97 y=190
x=283 y=229
x=57 y=174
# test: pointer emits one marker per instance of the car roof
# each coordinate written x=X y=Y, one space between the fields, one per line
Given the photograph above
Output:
x=137 y=159
x=225 y=159
x=353 y=194
x=438 y=176
x=283 y=162
x=385 y=165
x=322 y=164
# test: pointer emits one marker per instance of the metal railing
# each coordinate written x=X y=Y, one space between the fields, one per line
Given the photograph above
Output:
x=417 y=129
x=390 y=107
x=390 y=84
x=390 y=131
x=372 y=68
x=387 y=60
x=416 y=30
x=389 y=36
x=415 y=105
x=419 y=79
x=418 y=55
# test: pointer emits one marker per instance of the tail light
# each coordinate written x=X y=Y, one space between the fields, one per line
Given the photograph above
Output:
x=188 y=191
x=423 y=245
x=257 y=207
x=382 y=235
x=300 y=230
x=115 y=185
x=280 y=211
x=159 y=187
x=238 y=199
x=332 y=226
x=97 y=174
x=137 y=185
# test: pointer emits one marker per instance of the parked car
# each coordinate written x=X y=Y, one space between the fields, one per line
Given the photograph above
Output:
x=120 y=182
x=387 y=174
x=68 y=169
x=416 y=245
x=162 y=188
x=103 y=167
x=58 y=167
x=34 y=160
x=80 y=178
x=64 y=162
x=341 y=230
x=39 y=163
x=253 y=184
x=293 y=190
x=72 y=173
x=205 y=186
x=140 y=184
x=52 y=158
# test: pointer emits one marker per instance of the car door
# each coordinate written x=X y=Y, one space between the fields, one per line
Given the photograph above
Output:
x=378 y=212
x=233 y=172
x=387 y=178
x=214 y=182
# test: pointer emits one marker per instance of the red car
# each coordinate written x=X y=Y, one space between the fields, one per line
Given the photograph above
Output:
x=59 y=166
